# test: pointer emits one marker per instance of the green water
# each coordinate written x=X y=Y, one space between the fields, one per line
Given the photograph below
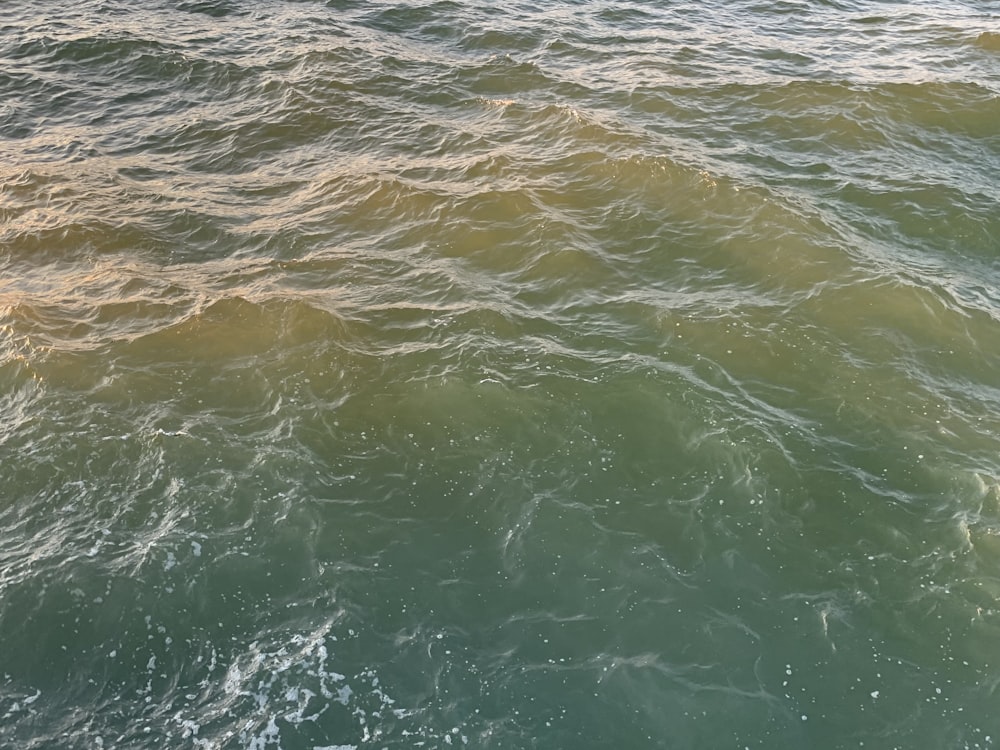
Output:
x=423 y=375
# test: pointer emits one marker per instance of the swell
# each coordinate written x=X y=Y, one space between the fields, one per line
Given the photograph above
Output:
x=446 y=339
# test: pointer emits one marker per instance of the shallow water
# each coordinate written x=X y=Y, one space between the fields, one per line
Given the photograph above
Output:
x=423 y=375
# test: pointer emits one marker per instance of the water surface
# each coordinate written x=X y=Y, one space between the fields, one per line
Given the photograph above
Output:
x=575 y=375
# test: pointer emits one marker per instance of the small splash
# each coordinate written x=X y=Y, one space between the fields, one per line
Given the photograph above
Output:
x=288 y=690
x=501 y=103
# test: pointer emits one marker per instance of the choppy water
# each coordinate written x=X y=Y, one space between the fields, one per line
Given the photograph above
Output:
x=572 y=375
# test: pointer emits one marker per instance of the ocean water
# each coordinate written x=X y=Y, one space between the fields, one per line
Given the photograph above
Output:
x=397 y=374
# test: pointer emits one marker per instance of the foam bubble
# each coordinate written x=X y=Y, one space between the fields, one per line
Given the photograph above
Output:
x=287 y=690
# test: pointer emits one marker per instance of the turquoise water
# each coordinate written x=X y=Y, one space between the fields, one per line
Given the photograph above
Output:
x=432 y=375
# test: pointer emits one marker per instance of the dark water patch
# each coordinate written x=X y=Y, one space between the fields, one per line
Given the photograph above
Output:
x=628 y=16
x=430 y=19
x=871 y=20
x=989 y=40
x=923 y=218
x=502 y=75
x=963 y=109
x=212 y=8
x=28 y=101
x=50 y=237
x=57 y=53
x=518 y=41
x=235 y=329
